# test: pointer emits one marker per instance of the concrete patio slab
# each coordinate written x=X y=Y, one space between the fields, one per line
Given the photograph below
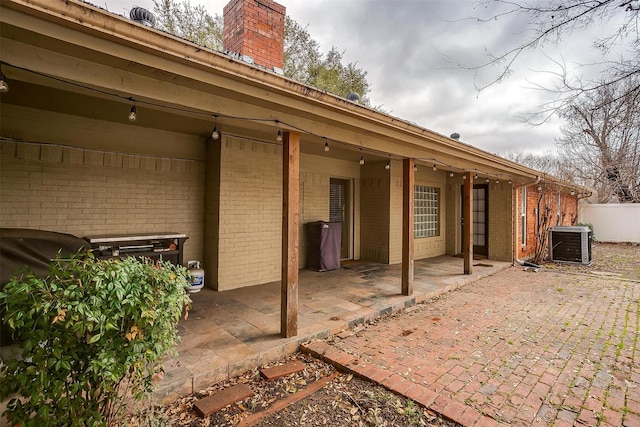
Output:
x=228 y=333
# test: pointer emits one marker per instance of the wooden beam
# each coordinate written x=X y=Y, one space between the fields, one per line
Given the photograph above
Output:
x=408 y=182
x=467 y=220
x=290 y=221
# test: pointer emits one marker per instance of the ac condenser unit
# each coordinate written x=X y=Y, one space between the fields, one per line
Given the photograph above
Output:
x=570 y=244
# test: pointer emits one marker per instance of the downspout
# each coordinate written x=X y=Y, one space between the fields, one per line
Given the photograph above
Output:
x=514 y=221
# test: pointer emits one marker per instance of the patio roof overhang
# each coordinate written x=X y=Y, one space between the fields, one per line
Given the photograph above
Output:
x=101 y=58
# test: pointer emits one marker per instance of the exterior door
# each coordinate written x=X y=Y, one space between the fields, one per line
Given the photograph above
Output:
x=480 y=220
x=339 y=210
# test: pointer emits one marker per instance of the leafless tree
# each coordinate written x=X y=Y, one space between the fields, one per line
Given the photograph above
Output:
x=548 y=162
x=617 y=46
x=601 y=141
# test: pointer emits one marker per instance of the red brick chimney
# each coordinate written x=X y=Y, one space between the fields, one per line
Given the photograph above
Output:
x=255 y=28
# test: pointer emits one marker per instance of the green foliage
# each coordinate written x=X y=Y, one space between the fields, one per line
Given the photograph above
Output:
x=303 y=60
x=593 y=235
x=92 y=336
x=335 y=77
x=189 y=22
x=301 y=52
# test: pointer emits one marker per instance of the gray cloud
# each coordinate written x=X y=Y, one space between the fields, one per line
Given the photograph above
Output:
x=410 y=49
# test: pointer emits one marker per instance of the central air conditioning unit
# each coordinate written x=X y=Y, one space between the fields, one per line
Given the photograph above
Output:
x=570 y=244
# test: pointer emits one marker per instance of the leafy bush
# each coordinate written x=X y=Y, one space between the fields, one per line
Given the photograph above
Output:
x=590 y=226
x=92 y=334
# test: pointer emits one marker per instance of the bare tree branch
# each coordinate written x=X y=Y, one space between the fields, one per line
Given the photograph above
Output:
x=552 y=20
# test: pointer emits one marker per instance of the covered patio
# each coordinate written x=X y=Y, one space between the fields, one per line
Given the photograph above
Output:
x=233 y=331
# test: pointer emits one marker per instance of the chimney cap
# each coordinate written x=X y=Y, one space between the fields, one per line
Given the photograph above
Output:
x=455 y=136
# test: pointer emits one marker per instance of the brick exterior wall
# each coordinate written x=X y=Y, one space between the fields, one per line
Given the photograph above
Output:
x=500 y=224
x=250 y=214
x=255 y=28
x=245 y=216
x=315 y=175
x=500 y=234
x=375 y=211
x=452 y=201
x=381 y=213
x=428 y=247
x=395 y=213
x=567 y=216
x=88 y=192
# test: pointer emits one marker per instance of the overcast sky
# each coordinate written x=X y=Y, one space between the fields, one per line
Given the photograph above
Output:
x=403 y=45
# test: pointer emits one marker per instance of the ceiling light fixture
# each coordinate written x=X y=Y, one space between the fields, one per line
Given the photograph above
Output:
x=4 y=86
x=279 y=136
x=215 y=134
x=415 y=167
x=388 y=165
x=326 y=146
x=451 y=174
x=435 y=168
x=133 y=114
x=361 y=160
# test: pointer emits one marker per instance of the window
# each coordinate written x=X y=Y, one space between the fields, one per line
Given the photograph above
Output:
x=426 y=211
x=523 y=215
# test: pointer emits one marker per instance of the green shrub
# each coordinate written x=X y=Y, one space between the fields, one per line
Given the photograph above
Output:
x=590 y=226
x=92 y=334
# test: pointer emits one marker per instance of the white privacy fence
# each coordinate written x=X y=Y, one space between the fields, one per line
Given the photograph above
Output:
x=613 y=222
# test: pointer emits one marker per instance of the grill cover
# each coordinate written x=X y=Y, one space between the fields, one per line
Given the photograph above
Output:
x=21 y=247
x=323 y=245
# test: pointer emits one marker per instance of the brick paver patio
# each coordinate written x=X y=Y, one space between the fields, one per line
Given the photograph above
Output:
x=518 y=348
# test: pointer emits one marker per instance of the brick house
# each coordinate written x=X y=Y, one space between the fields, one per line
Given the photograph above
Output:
x=71 y=160
x=541 y=206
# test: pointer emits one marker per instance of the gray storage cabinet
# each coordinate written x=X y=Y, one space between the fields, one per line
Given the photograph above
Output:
x=324 y=240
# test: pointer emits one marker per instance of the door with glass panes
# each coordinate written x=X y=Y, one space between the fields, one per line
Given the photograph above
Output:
x=480 y=220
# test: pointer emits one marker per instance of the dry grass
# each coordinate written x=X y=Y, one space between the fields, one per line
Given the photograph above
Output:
x=611 y=259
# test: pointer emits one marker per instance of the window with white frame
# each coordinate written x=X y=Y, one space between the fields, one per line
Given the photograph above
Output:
x=426 y=211
x=523 y=216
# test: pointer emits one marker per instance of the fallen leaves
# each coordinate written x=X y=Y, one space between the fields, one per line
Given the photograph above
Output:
x=344 y=401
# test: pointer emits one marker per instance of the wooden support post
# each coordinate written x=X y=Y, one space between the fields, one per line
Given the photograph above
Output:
x=408 y=182
x=290 y=220
x=467 y=220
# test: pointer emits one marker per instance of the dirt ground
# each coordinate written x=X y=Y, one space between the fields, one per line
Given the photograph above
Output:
x=609 y=259
x=343 y=401
x=349 y=401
